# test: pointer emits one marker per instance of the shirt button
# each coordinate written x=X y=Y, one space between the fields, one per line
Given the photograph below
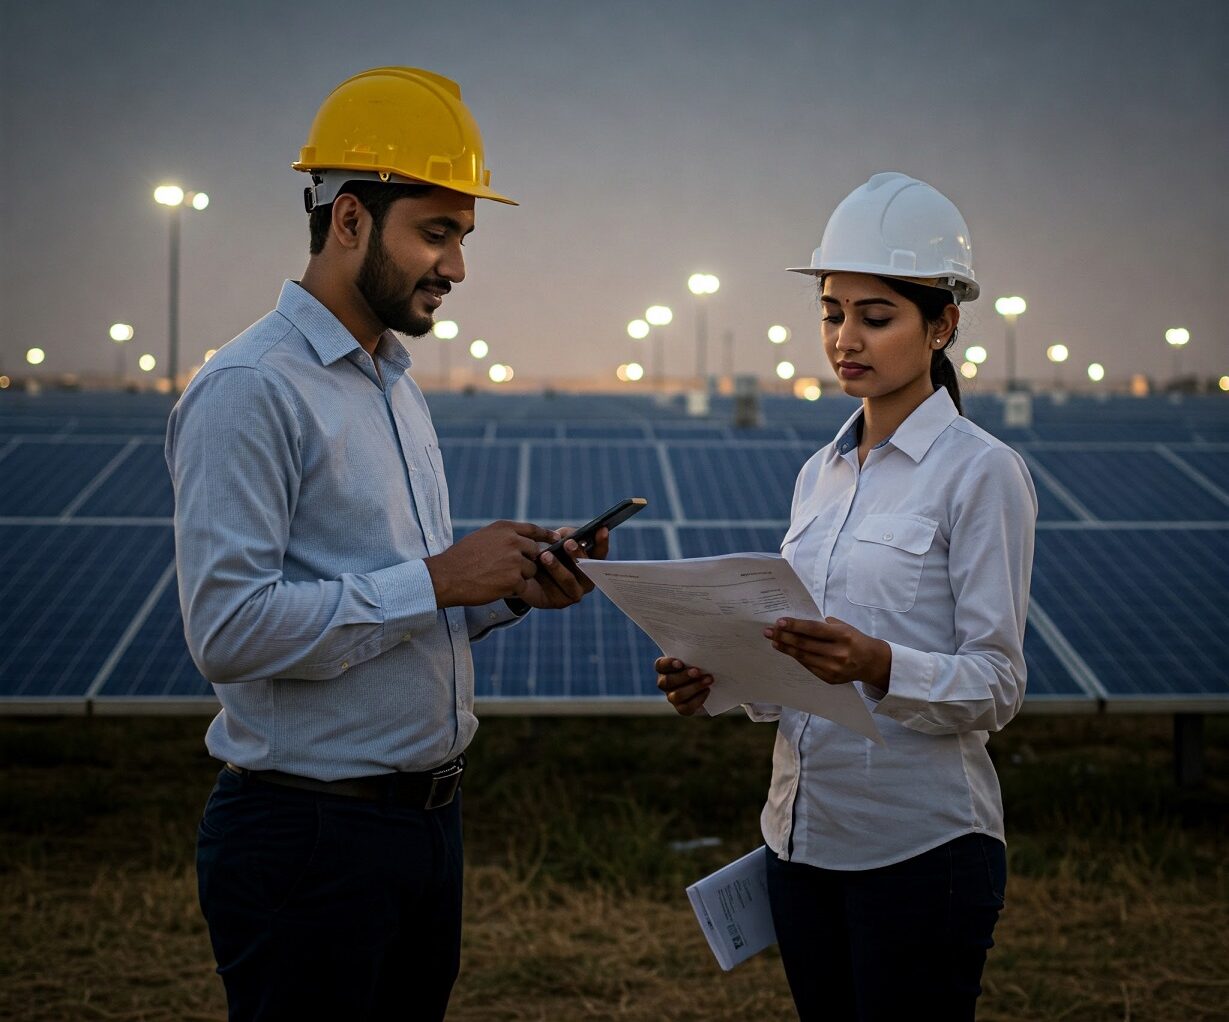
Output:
x=406 y=637
x=887 y=537
x=456 y=626
x=345 y=665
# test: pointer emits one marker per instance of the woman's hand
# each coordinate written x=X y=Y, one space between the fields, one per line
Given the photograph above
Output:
x=686 y=687
x=833 y=651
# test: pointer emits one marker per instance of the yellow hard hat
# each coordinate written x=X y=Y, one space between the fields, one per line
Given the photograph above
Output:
x=395 y=124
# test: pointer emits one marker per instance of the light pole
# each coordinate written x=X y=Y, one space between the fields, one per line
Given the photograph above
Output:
x=121 y=332
x=658 y=315
x=176 y=198
x=701 y=284
x=445 y=330
x=1177 y=337
x=1011 y=309
x=1057 y=353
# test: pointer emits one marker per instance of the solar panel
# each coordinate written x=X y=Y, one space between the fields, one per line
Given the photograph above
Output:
x=765 y=475
x=1147 y=609
x=69 y=593
x=1122 y=615
x=575 y=481
x=1117 y=485
x=42 y=479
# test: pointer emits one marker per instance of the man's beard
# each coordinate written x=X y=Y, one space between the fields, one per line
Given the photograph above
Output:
x=388 y=291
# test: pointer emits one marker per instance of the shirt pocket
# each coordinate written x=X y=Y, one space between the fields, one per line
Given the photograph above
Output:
x=885 y=564
x=436 y=458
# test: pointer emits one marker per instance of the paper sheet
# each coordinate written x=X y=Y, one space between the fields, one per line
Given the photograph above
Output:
x=710 y=612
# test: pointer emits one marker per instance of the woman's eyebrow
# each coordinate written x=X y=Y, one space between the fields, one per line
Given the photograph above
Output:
x=861 y=302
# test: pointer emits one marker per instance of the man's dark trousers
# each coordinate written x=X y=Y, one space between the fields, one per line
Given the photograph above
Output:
x=326 y=907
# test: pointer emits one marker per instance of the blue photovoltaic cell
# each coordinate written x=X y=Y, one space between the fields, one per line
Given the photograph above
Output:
x=574 y=482
x=714 y=540
x=41 y=479
x=1049 y=507
x=785 y=434
x=481 y=479
x=1118 y=485
x=1147 y=609
x=604 y=431
x=1047 y=677
x=139 y=487
x=68 y=594
x=682 y=431
x=526 y=430
x=156 y=662
x=1212 y=465
x=765 y=480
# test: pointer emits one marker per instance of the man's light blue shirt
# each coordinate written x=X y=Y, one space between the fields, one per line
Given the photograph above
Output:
x=309 y=488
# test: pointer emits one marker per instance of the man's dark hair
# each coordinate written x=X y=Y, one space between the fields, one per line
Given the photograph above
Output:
x=377 y=198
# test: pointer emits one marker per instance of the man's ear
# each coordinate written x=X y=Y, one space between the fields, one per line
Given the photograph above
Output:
x=349 y=220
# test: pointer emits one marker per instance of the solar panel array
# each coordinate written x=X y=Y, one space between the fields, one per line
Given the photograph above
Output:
x=1130 y=600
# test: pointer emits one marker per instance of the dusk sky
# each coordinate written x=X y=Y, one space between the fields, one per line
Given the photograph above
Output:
x=1087 y=145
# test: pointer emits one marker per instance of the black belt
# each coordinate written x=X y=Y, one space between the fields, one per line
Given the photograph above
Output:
x=433 y=789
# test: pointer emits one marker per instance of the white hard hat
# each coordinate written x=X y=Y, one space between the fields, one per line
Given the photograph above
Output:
x=897 y=226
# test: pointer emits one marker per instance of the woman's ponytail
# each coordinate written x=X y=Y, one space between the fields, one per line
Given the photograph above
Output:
x=943 y=374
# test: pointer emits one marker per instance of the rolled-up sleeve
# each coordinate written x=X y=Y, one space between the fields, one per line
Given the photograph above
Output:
x=980 y=686
x=235 y=456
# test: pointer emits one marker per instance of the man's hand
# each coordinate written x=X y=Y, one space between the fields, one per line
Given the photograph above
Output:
x=557 y=582
x=833 y=651
x=686 y=687
x=490 y=564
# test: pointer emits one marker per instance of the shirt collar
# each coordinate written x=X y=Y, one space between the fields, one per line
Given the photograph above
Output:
x=915 y=435
x=324 y=331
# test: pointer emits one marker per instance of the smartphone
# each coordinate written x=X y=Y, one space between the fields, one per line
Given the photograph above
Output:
x=608 y=519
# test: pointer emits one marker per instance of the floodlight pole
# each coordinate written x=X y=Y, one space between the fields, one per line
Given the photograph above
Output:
x=701 y=338
x=172 y=365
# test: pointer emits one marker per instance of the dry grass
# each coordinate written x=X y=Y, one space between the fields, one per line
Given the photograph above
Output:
x=1117 y=905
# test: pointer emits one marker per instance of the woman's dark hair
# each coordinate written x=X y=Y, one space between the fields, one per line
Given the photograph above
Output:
x=931 y=301
x=377 y=198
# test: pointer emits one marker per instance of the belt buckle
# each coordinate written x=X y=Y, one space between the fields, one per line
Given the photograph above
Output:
x=444 y=785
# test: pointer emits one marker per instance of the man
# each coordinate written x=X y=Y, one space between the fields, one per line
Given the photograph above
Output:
x=322 y=593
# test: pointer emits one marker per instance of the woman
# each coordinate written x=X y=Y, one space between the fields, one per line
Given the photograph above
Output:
x=913 y=530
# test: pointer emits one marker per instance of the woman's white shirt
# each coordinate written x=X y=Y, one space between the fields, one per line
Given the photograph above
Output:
x=928 y=546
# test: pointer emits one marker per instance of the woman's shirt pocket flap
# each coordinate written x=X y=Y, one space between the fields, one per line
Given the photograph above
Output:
x=911 y=533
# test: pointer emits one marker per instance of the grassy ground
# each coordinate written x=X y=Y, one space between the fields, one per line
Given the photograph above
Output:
x=1117 y=902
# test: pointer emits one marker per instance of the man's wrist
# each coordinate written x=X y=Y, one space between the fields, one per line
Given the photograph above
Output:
x=518 y=606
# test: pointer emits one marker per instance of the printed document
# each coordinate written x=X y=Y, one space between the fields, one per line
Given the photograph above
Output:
x=732 y=907
x=710 y=612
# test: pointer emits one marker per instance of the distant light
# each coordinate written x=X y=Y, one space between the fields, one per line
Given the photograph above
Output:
x=1011 y=306
x=975 y=354
x=638 y=329
x=778 y=334
x=1096 y=372
x=1139 y=385
x=5 y=381
x=445 y=330
x=169 y=195
x=36 y=356
x=500 y=373
x=703 y=284
x=121 y=332
x=635 y=371
x=1223 y=382
x=621 y=373
x=508 y=373
x=147 y=363
x=658 y=315
x=807 y=387
x=1177 y=336
x=210 y=353
x=785 y=370
x=968 y=370
x=1057 y=353
x=479 y=348
x=199 y=200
